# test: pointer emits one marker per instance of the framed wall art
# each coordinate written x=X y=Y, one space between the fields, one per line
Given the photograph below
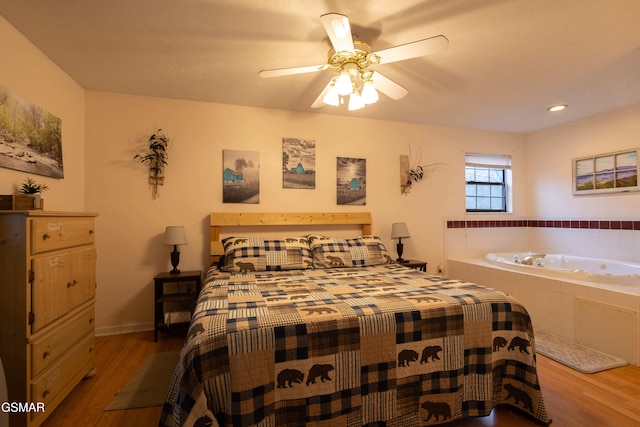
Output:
x=606 y=173
x=30 y=137
x=298 y=163
x=240 y=176
x=351 y=185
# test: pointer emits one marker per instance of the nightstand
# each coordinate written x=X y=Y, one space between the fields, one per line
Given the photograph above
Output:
x=414 y=263
x=185 y=299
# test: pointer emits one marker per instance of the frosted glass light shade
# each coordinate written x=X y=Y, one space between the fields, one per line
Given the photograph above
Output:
x=343 y=84
x=332 y=98
x=369 y=93
x=355 y=102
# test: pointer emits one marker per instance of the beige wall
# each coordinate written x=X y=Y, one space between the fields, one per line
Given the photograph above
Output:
x=131 y=224
x=101 y=176
x=549 y=155
x=29 y=74
x=548 y=189
x=100 y=131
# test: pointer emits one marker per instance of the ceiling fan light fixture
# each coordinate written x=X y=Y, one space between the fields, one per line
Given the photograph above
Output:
x=369 y=93
x=351 y=58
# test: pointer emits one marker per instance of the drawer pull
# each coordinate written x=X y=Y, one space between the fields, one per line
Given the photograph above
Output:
x=45 y=393
x=91 y=232
x=91 y=320
x=90 y=350
x=46 y=236
x=46 y=354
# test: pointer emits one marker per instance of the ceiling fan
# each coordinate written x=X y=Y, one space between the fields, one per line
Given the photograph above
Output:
x=354 y=62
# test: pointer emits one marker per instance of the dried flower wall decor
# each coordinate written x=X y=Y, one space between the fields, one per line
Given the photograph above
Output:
x=155 y=158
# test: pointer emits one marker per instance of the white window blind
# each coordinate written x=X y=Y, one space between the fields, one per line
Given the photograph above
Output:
x=477 y=160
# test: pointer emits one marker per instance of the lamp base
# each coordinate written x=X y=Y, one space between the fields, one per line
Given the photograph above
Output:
x=400 y=249
x=175 y=260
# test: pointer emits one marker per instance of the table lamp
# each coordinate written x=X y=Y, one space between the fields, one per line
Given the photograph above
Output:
x=175 y=235
x=399 y=231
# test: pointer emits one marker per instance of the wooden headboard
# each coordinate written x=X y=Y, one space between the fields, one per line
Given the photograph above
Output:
x=234 y=219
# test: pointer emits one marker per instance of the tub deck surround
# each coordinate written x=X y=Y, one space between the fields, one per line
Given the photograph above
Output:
x=612 y=238
x=599 y=315
x=608 y=272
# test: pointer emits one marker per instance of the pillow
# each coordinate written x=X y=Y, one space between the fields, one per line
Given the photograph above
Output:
x=329 y=252
x=244 y=254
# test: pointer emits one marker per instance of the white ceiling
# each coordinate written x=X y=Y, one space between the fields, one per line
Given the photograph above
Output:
x=507 y=61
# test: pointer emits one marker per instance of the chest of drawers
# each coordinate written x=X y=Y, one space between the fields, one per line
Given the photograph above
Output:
x=47 y=288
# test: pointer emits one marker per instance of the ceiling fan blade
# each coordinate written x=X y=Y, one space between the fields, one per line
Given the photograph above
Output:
x=290 y=71
x=387 y=86
x=339 y=31
x=413 y=50
x=318 y=102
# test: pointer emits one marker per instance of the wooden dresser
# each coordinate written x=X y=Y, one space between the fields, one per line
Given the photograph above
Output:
x=47 y=299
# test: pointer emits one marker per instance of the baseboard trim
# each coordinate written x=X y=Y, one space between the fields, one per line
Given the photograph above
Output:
x=124 y=329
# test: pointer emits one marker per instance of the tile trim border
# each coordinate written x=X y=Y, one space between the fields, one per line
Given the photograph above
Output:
x=592 y=224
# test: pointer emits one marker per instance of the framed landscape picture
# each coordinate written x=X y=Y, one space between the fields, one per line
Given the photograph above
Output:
x=240 y=176
x=298 y=163
x=30 y=137
x=351 y=185
x=606 y=173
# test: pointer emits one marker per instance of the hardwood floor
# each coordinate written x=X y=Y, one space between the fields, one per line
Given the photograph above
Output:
x=608 y=398
x=117 y=358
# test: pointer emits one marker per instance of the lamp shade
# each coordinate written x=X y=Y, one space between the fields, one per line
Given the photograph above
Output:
x=175 y=235
x=399 y=230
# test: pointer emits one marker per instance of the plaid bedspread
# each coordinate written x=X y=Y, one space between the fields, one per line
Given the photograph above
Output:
x=373 y=346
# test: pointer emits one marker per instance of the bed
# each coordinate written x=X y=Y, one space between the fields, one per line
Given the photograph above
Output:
x=316 y=330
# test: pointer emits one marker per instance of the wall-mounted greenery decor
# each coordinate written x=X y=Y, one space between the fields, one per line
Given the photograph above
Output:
x=411 y=175
x=155 y=158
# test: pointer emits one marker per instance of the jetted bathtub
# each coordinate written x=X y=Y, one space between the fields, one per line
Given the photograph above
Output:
x=570 y=267
x=594 y=302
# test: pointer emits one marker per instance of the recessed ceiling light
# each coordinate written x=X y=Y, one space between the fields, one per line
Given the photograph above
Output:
x=558 y=107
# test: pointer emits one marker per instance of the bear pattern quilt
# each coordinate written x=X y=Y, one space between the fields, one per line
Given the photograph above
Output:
x=383 y=345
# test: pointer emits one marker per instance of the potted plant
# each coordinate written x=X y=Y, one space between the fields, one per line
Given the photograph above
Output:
x=30 y=187
x=156 y=159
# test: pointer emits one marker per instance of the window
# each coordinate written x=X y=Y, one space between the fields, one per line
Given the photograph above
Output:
x=488 y=179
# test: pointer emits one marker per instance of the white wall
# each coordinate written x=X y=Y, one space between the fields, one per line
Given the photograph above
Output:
x=131 y=224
